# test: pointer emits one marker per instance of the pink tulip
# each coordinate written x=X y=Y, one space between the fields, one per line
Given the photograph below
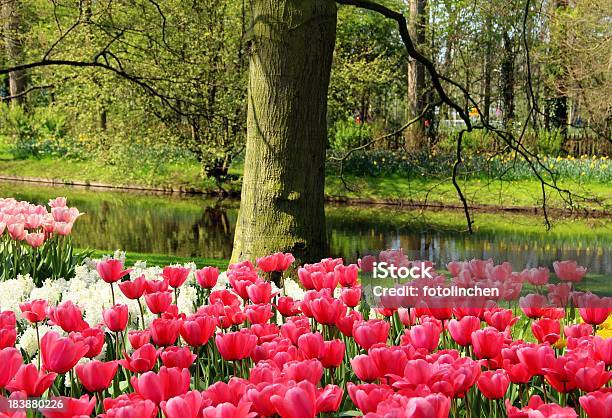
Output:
x=597 y=404
x=95 y=375
x=207 y=277
x=487 y=343
x=569 y=271
x=311 y=345
x=31 y=381
x=228 y=410
x=461 y=330
x=68 y=316
x=368 y=333
x=111 y=270
x=161 y=386
x=275 y=262
x=11 y=361
x=71 y=407
x=493 y=384
x=236 y=345
x=133 y=289
x=546 y=330
x=197 y=330
x=142 y=359
x=139 y=338
x=116 y=317
x=158 y=302
x=175 y=275
x=60 y=354
x=35 y=310
x=188 y=405
x=93 y=338
x=164 y=331
x=35 y=240
x=180 y=357
x=300 y=401
x=426 y=335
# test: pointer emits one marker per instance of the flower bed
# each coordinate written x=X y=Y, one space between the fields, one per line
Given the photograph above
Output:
x=188 y=343
x=36 y=241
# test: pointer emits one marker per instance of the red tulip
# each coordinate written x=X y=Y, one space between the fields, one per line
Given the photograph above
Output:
x=537 y=276
x=60 y=354
x=326 y=310
x=158 y=302
x=93 y=338
x=175 y=275
x=347 y=276
x=71 y=407
x=236 y=345
x=188 y=405
x=228 y=410
x=180 y=357
x=578 y=330
x=111 y=270
x=597 y=404
x=133 y=289
x=487 y=343
x=287 y=306
x=593 y=309
x=300 y=401
x=207 y=277
x=426 y=335
x=125 y=407
x=311 y=345
x=345 y=323
x=591 y=377
x=493 y=383
x=517 y=373
x=537 y=408
x=8 y=320
x=260 y=292
x=35 y=310
x=11 y=361
x=533 y=305
x=8 y=336
x=152 y=286
x=164 y=331
x=162 y=386
x=388 y=360
x=367 y=397
x=275 y=262
x=351 y=296
x=500 y=318
x=310 y=370
x=368 y=333
x=197 y=330
x=142 y=359
x=95 y=375
x=461 y=330
x=364 y=368
x=29 y=380
x=68 y=316
x=546 y=330
x=259 y=397
x=139 y=338
x=569 y=271
x=535 y=358
x=328 y=399
x=294 y=328
x=603 y=349
x=258 y=314
x=116 y=317
x=333 y=353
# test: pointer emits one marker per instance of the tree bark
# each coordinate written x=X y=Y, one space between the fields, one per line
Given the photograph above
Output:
x=417 y=96
x=282 y=202
x=507 y=82
x=488 y=68
x=12 y=43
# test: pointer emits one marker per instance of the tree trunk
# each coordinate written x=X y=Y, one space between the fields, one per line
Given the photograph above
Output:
x=12 y=42
x=559 y=102
x=282 y=203
x=488 y=68
x=417 y=96
x=507 y=82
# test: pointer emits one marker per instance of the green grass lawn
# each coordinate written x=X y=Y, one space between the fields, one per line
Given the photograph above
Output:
x=393 y=188
x=163 y=259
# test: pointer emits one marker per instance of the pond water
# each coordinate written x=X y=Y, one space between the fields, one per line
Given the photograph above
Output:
x=199 y=226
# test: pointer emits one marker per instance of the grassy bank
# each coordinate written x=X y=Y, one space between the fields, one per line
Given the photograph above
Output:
x=163 y=259
x=388 y=188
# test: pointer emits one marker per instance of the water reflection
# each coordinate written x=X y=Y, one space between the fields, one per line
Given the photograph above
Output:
x=196 y=226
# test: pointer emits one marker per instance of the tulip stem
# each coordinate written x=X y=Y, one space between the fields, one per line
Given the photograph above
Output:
x=141 y=313
x=112 y=293
x=38 y=341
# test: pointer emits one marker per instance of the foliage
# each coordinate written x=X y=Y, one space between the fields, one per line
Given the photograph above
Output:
x=347 y=134
x=381 y=163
